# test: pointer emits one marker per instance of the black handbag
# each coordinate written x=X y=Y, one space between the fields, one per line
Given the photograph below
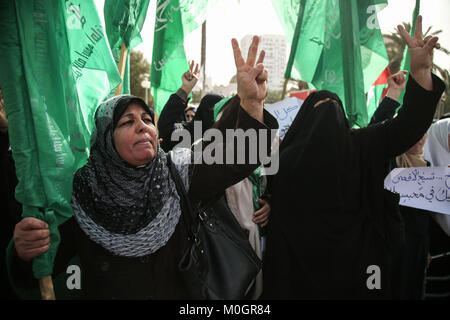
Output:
x=219 y=262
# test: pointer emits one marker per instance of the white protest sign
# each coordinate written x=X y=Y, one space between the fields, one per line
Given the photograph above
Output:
x=284 y=111
x=425 y=188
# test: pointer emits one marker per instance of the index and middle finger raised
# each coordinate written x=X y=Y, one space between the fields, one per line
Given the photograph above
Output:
x=191 y=67
x=252 y=52
x=417 y=40
x=411 y=41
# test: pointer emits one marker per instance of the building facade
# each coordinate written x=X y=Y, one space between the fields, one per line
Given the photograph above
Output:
x=275 y=59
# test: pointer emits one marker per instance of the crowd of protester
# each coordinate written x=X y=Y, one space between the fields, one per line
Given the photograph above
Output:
x=317 y=225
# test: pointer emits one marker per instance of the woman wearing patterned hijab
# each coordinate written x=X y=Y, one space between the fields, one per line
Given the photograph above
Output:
x=128 y=229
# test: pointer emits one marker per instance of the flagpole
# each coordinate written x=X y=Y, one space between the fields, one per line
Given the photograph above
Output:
x=46 y=286
x=286 y=80
x=123 y=57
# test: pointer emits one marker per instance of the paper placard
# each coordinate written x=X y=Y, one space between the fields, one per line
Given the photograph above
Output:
x=425 y=188
x=285 y=112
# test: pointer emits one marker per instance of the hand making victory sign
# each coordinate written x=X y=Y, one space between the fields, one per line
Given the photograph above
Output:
x=189 y=78
x=251 y=79
x=420 y=54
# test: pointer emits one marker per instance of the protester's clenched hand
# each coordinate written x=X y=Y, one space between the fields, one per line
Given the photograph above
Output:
x=396 y=84
x=31 y=238
x=397 y=81
x=261 y=216
x=190 y=78
x=420 y=54
x=251 y=78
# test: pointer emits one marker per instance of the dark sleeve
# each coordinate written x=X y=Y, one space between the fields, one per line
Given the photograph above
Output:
x=21 y=271
x=385 y=110
x=210 y=180
x=173 y=112
x=394 y=137
x=4 y=142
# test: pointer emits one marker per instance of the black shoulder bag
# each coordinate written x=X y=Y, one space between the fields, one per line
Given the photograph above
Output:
x=219 y=262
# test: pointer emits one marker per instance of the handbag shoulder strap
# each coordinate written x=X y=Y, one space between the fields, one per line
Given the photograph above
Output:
x=186 y=205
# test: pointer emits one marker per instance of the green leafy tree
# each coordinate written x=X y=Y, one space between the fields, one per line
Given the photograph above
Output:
x=139 y=71
x=196 y=97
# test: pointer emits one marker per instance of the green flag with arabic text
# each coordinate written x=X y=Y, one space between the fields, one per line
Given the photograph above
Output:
x=337 y=45
x=124 y=20
x=56 y=68
x=174 y=20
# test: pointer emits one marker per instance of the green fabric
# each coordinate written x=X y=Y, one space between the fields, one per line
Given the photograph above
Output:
x=56 y=67
x=258 y=190
x=168 y=58
x=405 y=62
x=219 y=105
x=124 y=20
x=174 y=20
x=258 y=187
x=62 y=292
x=337 y=46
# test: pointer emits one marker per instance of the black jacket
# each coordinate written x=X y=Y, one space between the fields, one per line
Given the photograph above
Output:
x=156 y=276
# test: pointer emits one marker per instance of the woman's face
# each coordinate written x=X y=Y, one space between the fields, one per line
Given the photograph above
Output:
x=135 y=136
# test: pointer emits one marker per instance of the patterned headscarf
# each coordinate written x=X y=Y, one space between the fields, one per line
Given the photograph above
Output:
x=130 y=211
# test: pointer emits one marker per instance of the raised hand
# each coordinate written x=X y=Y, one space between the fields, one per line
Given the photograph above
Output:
x=190 y=78
x=251 y=79
x=420 y=53
x=396 y=84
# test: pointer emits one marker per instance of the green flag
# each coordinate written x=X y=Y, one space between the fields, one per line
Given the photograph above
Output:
x=124 y=20
x=405 y=62
x=337 y=45
x=174 y=20
x=56 y=67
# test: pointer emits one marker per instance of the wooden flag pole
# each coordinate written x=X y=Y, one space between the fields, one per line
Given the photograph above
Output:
x=46 y=286
x=286 y=80
x=122 y=63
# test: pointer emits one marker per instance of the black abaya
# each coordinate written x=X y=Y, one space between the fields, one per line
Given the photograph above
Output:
x=330 y=235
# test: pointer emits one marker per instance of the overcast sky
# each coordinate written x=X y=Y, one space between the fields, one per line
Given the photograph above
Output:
x=230 y=19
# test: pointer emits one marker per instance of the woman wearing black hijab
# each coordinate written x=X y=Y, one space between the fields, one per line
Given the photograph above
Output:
x=172 y=115
x=330 y=236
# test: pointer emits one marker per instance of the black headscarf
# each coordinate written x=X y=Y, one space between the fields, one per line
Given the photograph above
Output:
x=326 y=227
x=205 y=110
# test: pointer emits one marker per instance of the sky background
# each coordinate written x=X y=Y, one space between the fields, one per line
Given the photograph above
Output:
x=231 y=19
